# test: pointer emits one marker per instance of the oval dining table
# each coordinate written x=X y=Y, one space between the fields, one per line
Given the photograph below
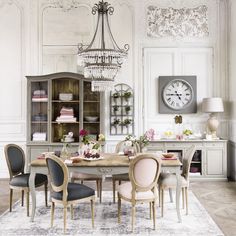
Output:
x=110 y=164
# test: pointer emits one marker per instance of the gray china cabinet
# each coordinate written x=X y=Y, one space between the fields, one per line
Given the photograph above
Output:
x=59 y=105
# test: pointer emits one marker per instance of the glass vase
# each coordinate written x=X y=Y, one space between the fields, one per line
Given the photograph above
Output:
x=65 y=154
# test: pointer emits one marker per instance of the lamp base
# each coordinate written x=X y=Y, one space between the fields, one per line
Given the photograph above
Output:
x=212 y=125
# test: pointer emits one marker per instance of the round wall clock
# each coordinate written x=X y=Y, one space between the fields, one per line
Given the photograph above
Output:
x=177 y=94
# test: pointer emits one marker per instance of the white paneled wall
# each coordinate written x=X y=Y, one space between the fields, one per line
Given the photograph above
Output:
x=12 y=70
x=175 y=61
x=41 y=37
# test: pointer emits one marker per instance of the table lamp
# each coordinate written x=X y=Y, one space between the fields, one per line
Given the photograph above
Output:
x=213 y=106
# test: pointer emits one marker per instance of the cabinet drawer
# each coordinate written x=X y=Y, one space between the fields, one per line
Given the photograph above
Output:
x=177 y=145
x=215 y=144
x=154 y=146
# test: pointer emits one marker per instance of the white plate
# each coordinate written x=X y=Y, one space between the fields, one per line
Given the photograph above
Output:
x=92 y=159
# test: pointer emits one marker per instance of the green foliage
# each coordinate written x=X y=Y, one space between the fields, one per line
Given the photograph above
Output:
x=116 y=95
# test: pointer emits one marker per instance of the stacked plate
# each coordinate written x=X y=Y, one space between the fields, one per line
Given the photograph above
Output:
x=65 y=96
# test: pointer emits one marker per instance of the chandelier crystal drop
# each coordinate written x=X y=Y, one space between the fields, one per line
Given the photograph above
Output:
x=103 y=58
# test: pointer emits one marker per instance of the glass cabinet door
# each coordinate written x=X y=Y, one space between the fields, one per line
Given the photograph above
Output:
x=39 y=112
x=91 y=110
x=65 y=110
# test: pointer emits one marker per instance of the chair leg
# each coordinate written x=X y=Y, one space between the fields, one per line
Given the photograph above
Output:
x=71 y=212
x=52 y=213
x=119 y=182
x=159 y=195
x=65 y=210
x=72 y=180
x=154 y=214
x=22 y=197
x=119 y=207
x=150 y=209
x=186 y=199
x=92 y=212
x=171 y=196
x=27 y=203
x=133 y=217
x=114 y=190
x=82 y=182
x=100 y=190
x=11 y=195
x=183 y=197
x=46 y=193
x=162 y=202
x=98 y=185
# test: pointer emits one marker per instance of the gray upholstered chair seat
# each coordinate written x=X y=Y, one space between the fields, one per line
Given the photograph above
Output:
x=23 y=180
x=169 y=180
x=122 y=177
x=75 y=192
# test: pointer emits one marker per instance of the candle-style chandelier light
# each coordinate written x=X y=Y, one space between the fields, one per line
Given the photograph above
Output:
x=103 y=58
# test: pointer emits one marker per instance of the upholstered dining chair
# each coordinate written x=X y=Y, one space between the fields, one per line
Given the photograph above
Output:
x=168 y=181
x=76 y=176
x=144 y=171
x=66 y=193
x=121 y=177
x=15 y=158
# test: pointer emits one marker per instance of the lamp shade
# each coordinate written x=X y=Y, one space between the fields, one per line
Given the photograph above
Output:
x=212 y=105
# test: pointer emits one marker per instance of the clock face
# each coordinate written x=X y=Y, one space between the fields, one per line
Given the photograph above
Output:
x=178 y=94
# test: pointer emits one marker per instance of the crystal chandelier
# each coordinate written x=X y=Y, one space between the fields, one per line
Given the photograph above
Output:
x=103 y=58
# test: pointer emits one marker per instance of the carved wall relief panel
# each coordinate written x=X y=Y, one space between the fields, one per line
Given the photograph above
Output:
x=178 y=23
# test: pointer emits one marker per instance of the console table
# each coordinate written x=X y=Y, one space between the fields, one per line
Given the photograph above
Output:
x=209 y=161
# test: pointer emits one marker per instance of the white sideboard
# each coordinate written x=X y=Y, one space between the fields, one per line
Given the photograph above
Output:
x=209 y=162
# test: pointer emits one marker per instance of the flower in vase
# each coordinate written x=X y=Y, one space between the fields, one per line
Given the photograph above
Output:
x=85 y=137
x=101 y=137
x=150 y=134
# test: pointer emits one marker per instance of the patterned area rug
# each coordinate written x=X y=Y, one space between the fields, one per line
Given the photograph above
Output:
x=198 y=222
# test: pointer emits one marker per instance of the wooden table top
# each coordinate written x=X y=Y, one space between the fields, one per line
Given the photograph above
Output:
x=109 y=160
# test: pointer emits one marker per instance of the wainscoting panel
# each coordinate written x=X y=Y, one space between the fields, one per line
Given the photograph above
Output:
x=175 y=61
x=11 y=28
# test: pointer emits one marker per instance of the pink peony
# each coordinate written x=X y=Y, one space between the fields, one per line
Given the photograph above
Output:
x=83 y=132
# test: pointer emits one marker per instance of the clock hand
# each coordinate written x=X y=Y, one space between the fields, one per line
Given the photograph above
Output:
x=178 y=95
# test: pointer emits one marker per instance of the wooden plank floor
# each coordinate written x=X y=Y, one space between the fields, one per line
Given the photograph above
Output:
x=218 y=198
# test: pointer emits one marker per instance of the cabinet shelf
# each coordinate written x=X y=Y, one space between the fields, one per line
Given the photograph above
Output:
x=59 y=101
x=39 y=122
x=92 y=101
x=39 y=101
x=95 y=122
x=64 y=122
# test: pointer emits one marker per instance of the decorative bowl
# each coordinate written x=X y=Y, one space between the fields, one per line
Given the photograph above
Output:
x=65 y=96
x=168 y=155
x=91 y=118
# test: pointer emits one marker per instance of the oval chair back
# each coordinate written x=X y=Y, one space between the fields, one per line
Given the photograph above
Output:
x=187 y=161
x=120 y=147
x=144 y=172
x=15 y=158
x=59 y=176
